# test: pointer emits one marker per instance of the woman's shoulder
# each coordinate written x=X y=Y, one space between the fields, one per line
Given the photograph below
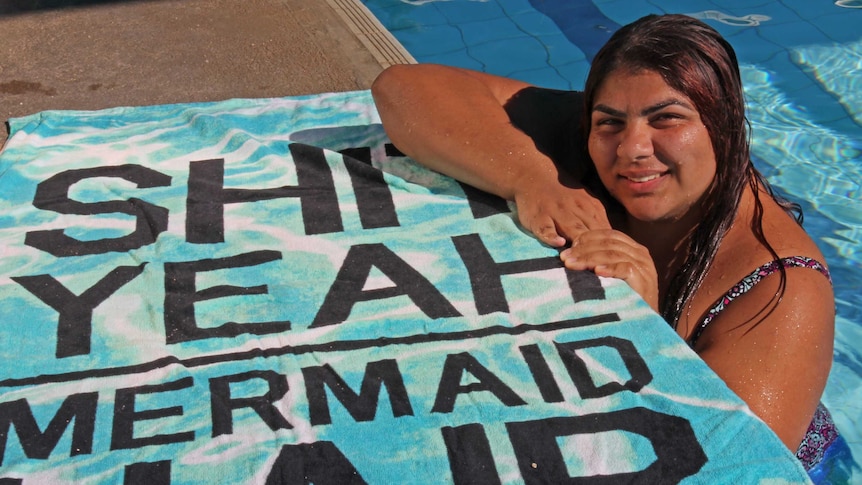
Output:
x=781 y=236
x=749 y=280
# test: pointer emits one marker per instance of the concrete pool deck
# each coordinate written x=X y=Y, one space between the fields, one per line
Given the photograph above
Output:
x=95 y=54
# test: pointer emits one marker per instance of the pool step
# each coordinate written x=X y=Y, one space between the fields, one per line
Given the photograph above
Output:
x=373 y=35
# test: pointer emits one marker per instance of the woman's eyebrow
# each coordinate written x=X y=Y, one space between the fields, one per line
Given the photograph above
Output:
x=603 y=108
x=664 y=104
x=608 y=110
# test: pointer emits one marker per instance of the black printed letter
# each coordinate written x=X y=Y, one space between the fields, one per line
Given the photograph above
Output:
x=450 y=383
x=38 y=445
x=148 y=473
x=181 y=296
x=347 y=290
x=223 y=403
x=470 y=457
x=53 y=195
x=541 y=373
x=678 y=453
x=320 y=463
x=363 y=406
x=125 y=416
x=207 y=196
x=485 y=275
x=580 y=373
x=76 y=312
x=373 y=197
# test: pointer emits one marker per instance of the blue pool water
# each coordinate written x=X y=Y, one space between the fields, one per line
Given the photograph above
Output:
x=802 y=67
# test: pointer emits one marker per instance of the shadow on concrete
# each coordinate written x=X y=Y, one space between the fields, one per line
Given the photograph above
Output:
x=98 y=54
x=11 y=7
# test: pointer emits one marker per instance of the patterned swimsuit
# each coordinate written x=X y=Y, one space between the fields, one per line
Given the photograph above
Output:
x=821 y=432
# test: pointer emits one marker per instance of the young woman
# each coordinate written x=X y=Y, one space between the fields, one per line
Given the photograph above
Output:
x=665 y=198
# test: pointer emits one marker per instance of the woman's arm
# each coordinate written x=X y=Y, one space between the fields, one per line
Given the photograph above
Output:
x=778 y=364
x=773 y=344
x=456 y=121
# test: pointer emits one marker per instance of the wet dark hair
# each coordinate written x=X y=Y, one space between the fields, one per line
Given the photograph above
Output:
x=694 y=59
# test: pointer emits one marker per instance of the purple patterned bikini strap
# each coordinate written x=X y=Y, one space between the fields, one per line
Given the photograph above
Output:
x=750 y=281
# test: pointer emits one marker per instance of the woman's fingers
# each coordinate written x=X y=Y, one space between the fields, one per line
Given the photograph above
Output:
x=556 y=215
x=603 y=247
x=613 y=254
x=546 y=230
x=640 y=277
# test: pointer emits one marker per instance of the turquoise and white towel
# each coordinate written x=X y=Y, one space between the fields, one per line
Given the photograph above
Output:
x=267 y=291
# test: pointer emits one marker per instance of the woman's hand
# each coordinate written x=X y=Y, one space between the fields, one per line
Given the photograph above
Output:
x=615 y=255
x=556 y=213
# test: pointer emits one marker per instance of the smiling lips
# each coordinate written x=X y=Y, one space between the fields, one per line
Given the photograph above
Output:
x=642 y=182
x=642 y=178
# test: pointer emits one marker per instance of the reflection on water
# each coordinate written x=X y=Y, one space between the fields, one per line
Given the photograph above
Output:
x=752 y=20
x=806 y=159
x=849 y=3
x=836 y=68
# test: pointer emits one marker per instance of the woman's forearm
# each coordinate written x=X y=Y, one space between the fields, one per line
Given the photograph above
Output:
x=462 y=123
x=453 y=121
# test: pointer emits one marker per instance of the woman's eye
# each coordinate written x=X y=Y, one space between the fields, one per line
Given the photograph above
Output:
x=667 y=117
x=608 y=122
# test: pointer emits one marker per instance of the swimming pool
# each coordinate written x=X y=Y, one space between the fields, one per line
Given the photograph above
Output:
x=802 y=69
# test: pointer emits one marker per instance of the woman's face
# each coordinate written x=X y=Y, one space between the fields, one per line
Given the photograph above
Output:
x=650 y=147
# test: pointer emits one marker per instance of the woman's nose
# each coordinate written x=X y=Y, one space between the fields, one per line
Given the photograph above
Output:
x=635 y=142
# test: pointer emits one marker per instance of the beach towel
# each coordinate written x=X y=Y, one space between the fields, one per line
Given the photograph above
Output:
x=268 y=291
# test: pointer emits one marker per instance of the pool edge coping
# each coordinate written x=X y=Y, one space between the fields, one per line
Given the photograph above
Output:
x=374 y=36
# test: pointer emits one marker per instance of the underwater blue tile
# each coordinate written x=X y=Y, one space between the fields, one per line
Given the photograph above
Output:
x=807 y=9
x=770 y=8
x=462 y=12
x=585 y=26
x=560 y=51
x=546 y=77
x=490 y=30
x=739 y=4
x=626 y=11
x=834 y=68
x=682 y=6
x=842 y=26
x=516 y=8
x=826 y=109
x=524 y=52
x=431 y=40
x=801 y=33
x=373 y=4
x=405 y=15
x=751 y=47
x=801 y=90
x=575 y=15
x=384 y=15
x=786 y=75
x=784 y=16
x=536 y=23
x=609 y=6
x=573 y=11
x=457 y=59
x=575 y=74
